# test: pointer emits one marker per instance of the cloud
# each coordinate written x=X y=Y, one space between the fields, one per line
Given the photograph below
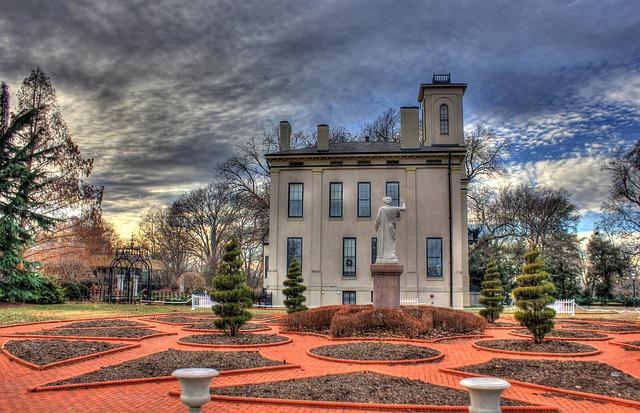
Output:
x=159 y=91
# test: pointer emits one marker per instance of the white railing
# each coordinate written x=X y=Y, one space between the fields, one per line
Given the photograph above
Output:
x=409 y=301
x=564 y=307
x=201 y=301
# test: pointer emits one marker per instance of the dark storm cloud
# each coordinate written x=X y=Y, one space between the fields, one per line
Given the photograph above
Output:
x=160 y=91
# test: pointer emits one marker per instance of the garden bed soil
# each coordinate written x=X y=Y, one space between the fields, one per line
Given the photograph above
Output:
x=582 y=376
x=162 y=364
x=577 y=334
x=528 y=346
x=605 y=320
x=94 y=332
x=375 y=351
x=173 y=319
x=612 y=328
x=360 y=387
x=208 y=325
x=501 y=324
x=41 y=352
x=238 y=340
x=104 y=324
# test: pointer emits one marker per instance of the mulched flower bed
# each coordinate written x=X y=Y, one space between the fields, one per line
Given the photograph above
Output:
x=240 y=339
x=633 y=343
x=530 y=347
x=610 y=327
x=577 y=334
x=208 y=325
x=173 y=319
x=354 y=388
x=43 y=352
x=164 y=363
x=375 y=351
x=583 y=376
x=95 y=332
x=104 y=323
x=606 y=320
x=501 y=324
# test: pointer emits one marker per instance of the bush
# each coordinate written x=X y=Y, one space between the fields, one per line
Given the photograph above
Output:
x=49 y=292
x=363 y=320
x=492 y=293
x=192 y=282
x=376 y=322
x=72 y=290
x=294 y=300
x=231 y=292
x=533 y=294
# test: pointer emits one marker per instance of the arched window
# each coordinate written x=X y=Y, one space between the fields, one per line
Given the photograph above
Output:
x=444 y=119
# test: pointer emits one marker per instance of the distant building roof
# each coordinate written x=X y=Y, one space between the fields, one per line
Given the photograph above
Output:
x=346 y=148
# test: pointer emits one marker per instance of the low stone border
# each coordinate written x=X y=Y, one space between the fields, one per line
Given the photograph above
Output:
x=42 y=388
x=408 y=361
x=279 y=343
x=170 y=324
x=81 y=319
x=602 y=331
x=622 y=402
x=398 y=339
x=88 y=338
x=67 y=361
x=526 y=353
x=551 y=338
x=627 y=345
x=372 y=406
x=214 y=330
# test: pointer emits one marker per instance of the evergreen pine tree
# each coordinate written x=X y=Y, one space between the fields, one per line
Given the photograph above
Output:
x=533 y=294
x=294 y=300
x=19 y=280
x=231 y=292
x=492 y=293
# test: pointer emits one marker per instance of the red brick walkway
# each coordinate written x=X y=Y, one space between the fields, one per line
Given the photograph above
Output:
x=15 y=379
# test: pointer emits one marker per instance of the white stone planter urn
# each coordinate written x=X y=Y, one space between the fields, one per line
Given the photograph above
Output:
x=195 y=386
x=485 y=393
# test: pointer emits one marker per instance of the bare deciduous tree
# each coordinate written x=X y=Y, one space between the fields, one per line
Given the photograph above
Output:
x=384 y=128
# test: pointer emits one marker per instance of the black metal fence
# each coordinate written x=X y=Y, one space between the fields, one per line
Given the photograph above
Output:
x=263 y=299
x=128 y=297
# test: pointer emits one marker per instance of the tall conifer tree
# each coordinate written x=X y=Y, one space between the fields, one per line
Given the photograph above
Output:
x=533 y=294
x=492 y=293
x=231 y=292
x=294 y=300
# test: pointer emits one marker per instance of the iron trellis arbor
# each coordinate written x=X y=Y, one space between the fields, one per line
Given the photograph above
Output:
x=128 y=269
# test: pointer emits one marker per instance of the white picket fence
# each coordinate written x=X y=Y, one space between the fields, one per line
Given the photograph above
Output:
x=409 y=301
x=201 y=301
x=564 y=307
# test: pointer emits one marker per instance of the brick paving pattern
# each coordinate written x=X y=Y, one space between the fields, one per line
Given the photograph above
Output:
x=15 y=379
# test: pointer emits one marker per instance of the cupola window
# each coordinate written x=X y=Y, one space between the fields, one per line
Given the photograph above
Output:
x=444 y=119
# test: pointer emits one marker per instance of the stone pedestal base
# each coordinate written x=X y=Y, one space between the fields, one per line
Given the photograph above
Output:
x=386 y=285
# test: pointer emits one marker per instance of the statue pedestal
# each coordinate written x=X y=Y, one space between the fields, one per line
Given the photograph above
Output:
x=386 y=285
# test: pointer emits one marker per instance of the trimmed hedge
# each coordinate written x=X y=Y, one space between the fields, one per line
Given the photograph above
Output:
x=359 y=320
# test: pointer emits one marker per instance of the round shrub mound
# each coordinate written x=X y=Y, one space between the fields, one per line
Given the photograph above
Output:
x=365 y=321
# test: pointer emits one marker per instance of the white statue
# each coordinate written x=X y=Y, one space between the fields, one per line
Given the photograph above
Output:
x=386 y=220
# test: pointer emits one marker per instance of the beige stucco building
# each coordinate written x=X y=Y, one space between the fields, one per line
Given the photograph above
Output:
x=324 y=201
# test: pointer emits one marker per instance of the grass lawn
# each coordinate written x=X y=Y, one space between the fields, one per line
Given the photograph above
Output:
x=29 y=313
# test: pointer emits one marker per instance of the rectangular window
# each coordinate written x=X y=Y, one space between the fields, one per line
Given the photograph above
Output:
x=364 y=199
x=434 y=257
x=266 y=266
x=296 y=195
x=393 y=192
x=348 y=257
x=335 y=199
x=348 y=297
x=294 y=250
x=374 y=249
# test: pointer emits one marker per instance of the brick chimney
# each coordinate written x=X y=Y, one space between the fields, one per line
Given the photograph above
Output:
x=323 y=138
x=285 y=135
x=409 y=138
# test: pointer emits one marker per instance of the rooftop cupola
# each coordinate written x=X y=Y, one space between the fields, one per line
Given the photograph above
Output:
x=442 y=114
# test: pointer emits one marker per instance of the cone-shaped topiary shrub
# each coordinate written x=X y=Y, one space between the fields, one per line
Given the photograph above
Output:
x=533 y=294
x=492 y=293
x=294 y=300
x=231 y=292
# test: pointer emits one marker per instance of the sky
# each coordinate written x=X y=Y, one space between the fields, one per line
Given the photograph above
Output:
x=158 y=92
